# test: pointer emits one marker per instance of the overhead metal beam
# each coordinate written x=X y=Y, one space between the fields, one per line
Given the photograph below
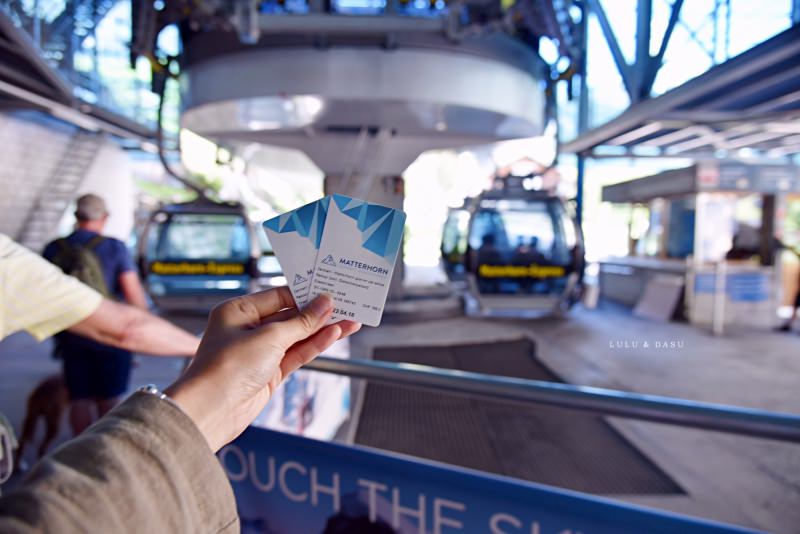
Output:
x=78 y=117
x=643 y=63
x=769 y=105
x=761 y=157
x=749 y=89
x=22 y=79
x=658 y=60
x=639 y=76
x=9 y=47
x=613 y=45
x=27 y=51
x=583 y=111
x=694 y=36
x=638 y=133
x=324 y=24
x=780 y=48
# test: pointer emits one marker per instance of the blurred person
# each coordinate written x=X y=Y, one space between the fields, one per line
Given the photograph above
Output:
x=96 y=374
x=488 y=254
x=787 y=325
x=745 y=244
x=149 y=464
x=529 y=254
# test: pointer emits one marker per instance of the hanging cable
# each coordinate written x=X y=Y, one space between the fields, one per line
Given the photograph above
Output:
x=161 y=76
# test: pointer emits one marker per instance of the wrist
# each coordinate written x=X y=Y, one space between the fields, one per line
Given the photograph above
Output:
x=197 y=407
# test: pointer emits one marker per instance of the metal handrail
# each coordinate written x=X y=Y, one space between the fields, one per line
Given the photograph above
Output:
x=681 y=412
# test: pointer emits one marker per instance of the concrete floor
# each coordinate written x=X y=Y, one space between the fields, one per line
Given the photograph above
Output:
x=741 y=480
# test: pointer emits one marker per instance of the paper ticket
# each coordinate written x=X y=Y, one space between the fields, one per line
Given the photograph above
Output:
x=356 y=257
x=295 y=237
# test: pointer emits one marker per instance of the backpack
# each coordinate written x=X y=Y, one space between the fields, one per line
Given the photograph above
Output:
x=82 y=262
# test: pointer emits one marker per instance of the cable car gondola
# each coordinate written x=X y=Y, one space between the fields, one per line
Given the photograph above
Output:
x=193 y=255
x=519 y=251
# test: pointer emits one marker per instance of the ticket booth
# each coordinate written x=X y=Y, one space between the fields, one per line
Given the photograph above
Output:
x=708 y=247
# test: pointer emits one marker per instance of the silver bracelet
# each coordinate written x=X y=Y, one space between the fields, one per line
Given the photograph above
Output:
x=152 y=389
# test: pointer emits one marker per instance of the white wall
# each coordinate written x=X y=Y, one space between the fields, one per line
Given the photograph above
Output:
x=31 y=148
x=111 y=177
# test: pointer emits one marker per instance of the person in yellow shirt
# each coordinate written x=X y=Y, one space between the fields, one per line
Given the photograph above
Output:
x=35 y=296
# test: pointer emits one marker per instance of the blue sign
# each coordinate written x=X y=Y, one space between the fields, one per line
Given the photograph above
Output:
x=739 y=287
x=286 y=484
x=748 y=287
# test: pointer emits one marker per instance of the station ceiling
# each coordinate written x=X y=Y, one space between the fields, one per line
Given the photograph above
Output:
x=27 y=81
x=23 y=68
x=747 y=107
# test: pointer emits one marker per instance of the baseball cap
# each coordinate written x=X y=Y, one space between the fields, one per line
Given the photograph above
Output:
x=90 y=208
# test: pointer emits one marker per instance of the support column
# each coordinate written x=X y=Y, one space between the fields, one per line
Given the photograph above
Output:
x=583 y=110
x=385 y=190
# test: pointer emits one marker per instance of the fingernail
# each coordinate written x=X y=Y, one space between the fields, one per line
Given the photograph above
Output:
x=320 y=305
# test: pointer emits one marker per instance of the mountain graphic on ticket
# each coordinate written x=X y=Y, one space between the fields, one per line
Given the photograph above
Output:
x=295 y=237
x=341 y=246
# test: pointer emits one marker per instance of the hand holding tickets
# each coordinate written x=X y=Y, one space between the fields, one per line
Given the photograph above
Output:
x=341 y=246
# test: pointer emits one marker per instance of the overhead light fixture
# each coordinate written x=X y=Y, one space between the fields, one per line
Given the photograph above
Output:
x=752 y=139
x=264 y=125
x=783 y=151
x=638 y=133
x=672 y=137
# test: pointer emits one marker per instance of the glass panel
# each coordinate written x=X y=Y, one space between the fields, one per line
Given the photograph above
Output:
x=520 y=246
x=414 y=8
x=359 y=7
x=514 y=231
x=297 y=7
x=455 y=232
x=201 y=237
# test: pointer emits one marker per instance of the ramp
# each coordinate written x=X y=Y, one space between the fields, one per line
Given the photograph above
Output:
x=547 y=445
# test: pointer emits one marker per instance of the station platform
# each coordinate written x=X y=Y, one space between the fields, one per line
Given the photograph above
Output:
x=740 y=480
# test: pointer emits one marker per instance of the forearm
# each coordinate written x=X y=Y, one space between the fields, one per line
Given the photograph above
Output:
x=145 y=332
x=143 y=468
x=136 y=330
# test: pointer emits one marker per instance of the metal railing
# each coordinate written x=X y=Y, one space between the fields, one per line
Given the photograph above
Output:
x=681 y=412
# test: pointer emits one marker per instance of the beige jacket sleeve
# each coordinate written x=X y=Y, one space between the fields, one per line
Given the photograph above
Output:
x=144 y=467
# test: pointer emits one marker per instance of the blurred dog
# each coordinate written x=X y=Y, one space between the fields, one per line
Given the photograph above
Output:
x=48 y=401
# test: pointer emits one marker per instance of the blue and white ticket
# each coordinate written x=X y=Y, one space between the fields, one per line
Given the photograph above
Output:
x=341 y=246
x=356 y=257
x=295 y=237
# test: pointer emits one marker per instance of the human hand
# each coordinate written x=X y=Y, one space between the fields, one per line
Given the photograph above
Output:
x=251 y=345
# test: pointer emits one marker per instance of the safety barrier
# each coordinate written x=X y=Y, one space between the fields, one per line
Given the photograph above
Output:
x=681 y=412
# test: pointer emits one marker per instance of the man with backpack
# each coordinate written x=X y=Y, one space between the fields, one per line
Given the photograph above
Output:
x=96 y=375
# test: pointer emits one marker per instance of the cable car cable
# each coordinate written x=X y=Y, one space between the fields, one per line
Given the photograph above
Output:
x=161 y=86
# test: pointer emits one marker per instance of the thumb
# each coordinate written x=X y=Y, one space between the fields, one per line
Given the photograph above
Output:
x=304 y=324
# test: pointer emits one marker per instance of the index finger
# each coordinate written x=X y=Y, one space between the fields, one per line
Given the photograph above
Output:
x=250 y=311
